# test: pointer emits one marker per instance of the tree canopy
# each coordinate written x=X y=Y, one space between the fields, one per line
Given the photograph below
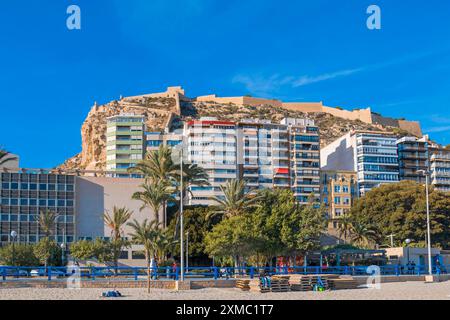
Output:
x=400 y=209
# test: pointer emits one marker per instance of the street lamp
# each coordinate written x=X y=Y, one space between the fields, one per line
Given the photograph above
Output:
x=407 y=241
x=430 y=267
x=13 y=236
x=187 y=251
x=63 y=246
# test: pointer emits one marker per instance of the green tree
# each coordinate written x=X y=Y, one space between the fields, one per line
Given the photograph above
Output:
x=115 y=223
x=236 y=201
x=146 y=234
x=47 y=221
x=196 y=222
x=345 y=225
x=400 y=209
x=5 y=156
x=48 y=252
x=83 y=250
x=232 y=237
x=99 y=249
x=23 y=255
x=363 y=234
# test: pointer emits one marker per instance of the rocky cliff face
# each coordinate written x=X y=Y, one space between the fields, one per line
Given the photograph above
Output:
x=160 y=112
x=157 y=112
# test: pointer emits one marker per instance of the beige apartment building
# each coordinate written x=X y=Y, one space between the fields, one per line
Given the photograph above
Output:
x=339 y=191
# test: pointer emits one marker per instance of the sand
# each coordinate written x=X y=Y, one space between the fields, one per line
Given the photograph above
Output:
x=388 y=291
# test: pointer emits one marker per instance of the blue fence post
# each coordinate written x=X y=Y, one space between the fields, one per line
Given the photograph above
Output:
x=216 y=273
x=4 y=274
x=252 y=272
x=346 y=270
x=49 y=273
x=135 y=270
x=177 y=272
x=93 y=272
x=396 y=271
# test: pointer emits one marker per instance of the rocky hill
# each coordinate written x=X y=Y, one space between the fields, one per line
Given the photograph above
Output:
x=163 y=111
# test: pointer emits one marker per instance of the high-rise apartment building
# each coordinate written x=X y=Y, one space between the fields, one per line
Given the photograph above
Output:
x=124 y=143
x=413 y=158
x=24 y=195
x=212 y=145
x=372 y=155
x=262 y=153
x=440 y=168
x=304 y=158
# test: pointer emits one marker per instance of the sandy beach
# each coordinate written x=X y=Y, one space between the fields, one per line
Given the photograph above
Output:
x=388 y=291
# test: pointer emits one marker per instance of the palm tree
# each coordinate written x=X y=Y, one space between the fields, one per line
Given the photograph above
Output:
x=154 y=195
x=116 y=222
x=235 y=201
x=345 y=226
x=159 y=166
x=5 y=156
x=363 y=234
x=46 y=221
x=146 y=234
x=164 y=243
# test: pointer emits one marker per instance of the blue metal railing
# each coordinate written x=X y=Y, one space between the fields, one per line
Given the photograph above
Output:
x=172 y=273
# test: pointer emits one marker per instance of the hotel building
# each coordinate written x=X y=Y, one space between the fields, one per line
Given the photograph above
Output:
x=413 y=157
x=124 y=143
x=24 y=195
x=372 y=155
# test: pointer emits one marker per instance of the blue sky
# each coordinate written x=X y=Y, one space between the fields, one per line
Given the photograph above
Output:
x=292 y=50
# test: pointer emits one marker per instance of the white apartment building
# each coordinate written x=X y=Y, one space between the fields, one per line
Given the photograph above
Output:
x=372 y=155
x=212 y=145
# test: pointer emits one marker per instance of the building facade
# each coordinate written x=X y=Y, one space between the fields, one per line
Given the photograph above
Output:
x=24 y=195
x=212 y=145
x=125 y=145
x=413 y=159
x=372 y=155
x=440 y=168
x=304 y=158
x=339 y=190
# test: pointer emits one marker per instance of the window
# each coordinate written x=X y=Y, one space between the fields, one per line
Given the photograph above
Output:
x=337 y=200
x=137 y=255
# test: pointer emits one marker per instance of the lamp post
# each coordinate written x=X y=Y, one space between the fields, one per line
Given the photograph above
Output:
x=187 y=251
x=430 y=266
x=181 y=217
x=13 y=236
x=63 y=246
x=407 y=241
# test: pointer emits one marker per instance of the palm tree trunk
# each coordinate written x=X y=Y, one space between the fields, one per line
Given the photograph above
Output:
x=164 y=215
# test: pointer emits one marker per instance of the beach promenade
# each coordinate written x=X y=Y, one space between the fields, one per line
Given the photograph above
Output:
x=389 y=291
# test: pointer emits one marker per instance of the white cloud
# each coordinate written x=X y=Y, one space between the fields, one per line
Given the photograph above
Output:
x=266 y=85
